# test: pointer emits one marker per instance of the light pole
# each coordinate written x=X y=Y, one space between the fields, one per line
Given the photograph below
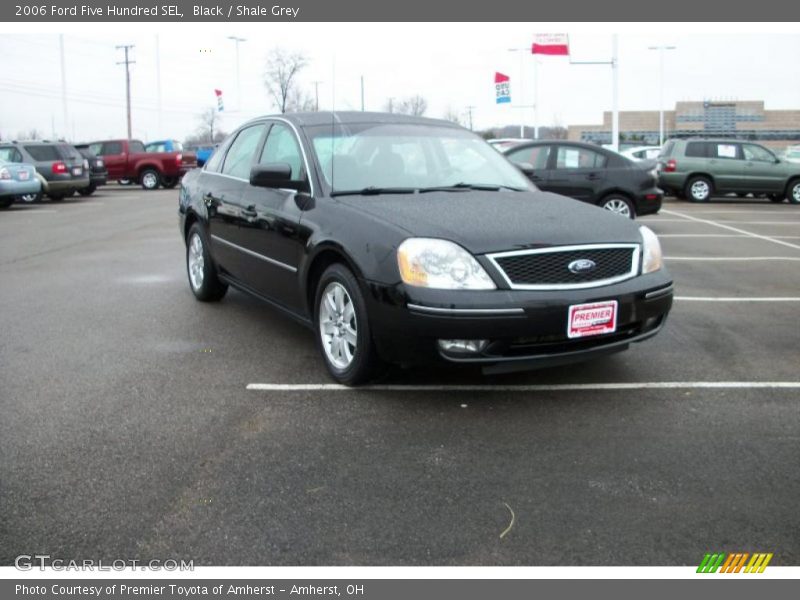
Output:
x=238 y=78
x=522 y=52
x=661 y=49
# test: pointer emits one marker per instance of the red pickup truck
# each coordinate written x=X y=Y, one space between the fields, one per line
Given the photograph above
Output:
x=127 y=159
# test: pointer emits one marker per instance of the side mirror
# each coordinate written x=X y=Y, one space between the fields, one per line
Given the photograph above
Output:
x=276 y=175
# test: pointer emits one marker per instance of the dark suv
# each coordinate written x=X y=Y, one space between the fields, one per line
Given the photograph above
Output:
x=63 y=168
x=591 y=174
x=697 y=169
x=98 y=173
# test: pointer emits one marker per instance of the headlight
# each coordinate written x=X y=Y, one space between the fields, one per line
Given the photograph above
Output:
x=439 y=264
x=651 y=251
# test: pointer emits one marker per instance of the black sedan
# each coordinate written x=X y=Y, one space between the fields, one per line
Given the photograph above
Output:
x=591 y=174
x=401 y=239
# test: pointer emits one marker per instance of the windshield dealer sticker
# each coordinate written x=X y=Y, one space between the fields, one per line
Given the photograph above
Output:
x=596 y=318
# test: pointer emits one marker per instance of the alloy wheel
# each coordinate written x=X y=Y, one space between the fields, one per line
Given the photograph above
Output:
x=700 y=190
x=196 y=262
x=337 y=325
x=618 y=206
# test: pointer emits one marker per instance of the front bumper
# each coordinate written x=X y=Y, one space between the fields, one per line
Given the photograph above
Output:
x=525 y=329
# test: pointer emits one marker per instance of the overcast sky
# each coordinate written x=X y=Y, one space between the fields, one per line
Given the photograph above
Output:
x=451 y=65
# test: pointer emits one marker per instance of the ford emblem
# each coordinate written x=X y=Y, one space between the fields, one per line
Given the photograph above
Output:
x=582 y=265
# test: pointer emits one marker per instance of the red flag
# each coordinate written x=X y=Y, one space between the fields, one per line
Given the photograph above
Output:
x=500 y=78
x=218 y=92
x=551 y=44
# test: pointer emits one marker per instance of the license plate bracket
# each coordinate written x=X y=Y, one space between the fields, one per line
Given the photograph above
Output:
x=594 y=318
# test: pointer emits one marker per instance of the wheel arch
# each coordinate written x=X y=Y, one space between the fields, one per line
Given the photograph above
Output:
x=325 y=254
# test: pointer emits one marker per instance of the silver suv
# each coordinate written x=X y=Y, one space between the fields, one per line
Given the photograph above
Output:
x=62 y=167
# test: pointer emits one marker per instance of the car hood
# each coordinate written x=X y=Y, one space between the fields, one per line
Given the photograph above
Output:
x=485 y=222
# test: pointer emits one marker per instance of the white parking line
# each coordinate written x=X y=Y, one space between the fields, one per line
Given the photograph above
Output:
x=734 y=229
x=737 y=299
x=721 y=235
x=563 y=387
x=732 y=258
x=657 y=220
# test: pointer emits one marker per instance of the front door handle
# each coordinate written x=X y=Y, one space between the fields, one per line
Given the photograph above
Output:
x=208 y=199
x=250 y=212
x=592 y=176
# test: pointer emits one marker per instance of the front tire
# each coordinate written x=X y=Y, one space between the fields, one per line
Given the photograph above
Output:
x=342 y=327
x=150 y=179
x=619 y=205
x=203 y=280
x=699 y=189
x=793 y=192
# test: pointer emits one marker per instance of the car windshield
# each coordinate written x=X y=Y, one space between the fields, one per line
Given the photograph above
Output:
x=407 y=158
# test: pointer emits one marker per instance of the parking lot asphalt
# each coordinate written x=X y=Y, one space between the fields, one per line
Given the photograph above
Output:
x=128 y=431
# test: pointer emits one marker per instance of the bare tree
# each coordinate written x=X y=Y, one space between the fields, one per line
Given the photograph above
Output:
x=451 y=114
x=31 y=134
x=299 y=101
x=413 y=105
x=208 y=130
x=280 y=73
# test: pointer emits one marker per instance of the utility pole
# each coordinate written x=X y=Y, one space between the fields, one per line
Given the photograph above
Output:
x=522 y=52
x=615 y=92
x=362 y=93
x=469 y=110
x=127 y=62
x=158 y=84
x=661 y=50
x=238 y=78
x=63 y=85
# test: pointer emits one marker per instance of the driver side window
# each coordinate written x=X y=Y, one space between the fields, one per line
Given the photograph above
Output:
x=282 y=147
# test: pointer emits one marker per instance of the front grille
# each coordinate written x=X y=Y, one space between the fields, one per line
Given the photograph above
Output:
x=549 y=268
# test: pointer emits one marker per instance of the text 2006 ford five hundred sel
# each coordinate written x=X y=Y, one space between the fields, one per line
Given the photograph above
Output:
x=404 y=239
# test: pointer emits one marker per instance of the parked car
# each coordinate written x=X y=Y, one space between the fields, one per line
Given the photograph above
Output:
x=639 y=153
x=591 y=174
x=203 y=153
x=403 y=239
x=164 y=146
x=98 y=174
x=63 y=169
x=501 y=144
x=127 y=159
x=16 y=179
x=697 y=169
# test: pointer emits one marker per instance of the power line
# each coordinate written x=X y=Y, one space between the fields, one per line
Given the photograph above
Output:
x=127 y=62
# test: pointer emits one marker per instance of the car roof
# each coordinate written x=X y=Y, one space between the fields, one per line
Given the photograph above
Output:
x=310 y=119
x=559 y=142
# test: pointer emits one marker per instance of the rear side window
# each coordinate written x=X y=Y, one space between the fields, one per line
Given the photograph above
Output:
x=579 y=158
x=156 y=147
x=697 y=149
x=668 y=148
x=69 y=152
x=135 y=146
x=43 y=153
x=10 y=154
x=536 y=156
x=109 y=148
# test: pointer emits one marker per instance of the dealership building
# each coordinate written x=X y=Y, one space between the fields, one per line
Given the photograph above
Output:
x=747 y=120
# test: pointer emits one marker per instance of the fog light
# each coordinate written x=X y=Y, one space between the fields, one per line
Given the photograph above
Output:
x=463 y=346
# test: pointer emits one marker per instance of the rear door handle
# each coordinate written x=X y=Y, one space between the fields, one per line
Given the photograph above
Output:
x=592 y=176
x=250 y=212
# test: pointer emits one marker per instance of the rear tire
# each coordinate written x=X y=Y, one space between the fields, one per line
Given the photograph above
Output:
x=56 y=197
x=6 y=202
x=31 y=198
x=87 y=191
x=342 y=328
x=203 y=280
x=699 y=189
x=168 y=182
x=124 y=181
x=793 y=192
x=619 y=205
x=150 y=179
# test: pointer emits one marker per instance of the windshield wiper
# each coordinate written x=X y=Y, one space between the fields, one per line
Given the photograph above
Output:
x=374 y=191
x=463 y=186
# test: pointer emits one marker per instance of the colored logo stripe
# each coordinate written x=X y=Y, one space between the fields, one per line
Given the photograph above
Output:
x=734 y=562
